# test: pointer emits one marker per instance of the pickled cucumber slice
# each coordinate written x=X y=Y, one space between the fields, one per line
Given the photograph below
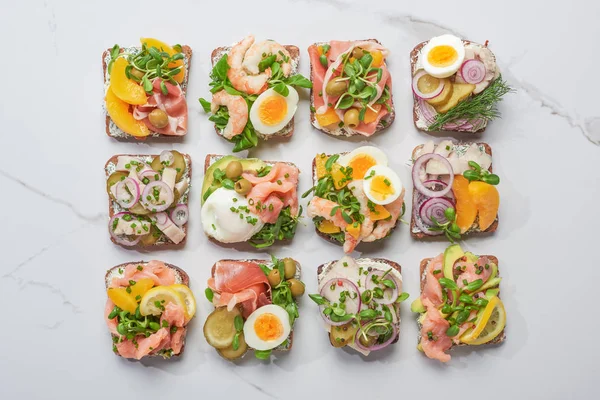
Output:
x=231 y=354
x=178 y=164
x=115 y=177
x=138 y=209
x=219 y=328
x=340 y=336
x=152 y=237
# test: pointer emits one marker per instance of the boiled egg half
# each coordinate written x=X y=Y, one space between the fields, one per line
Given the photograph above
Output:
x=362 y=159
x=443 y=55
x=267 y=327
x=272 y=111
x=382 y=185
x=225 y=225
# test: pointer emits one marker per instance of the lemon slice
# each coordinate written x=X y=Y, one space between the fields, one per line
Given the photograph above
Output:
x=188 y=298
x=155 y=300
x=489 y=325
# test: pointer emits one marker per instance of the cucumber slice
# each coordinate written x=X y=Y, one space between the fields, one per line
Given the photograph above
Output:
x=219 y=328
x=231 y=354
x=138 y=209
x=178 y=164
x=115 y=177
x=152 y=237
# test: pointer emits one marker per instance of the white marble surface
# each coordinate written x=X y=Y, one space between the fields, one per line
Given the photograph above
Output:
x=55 y=245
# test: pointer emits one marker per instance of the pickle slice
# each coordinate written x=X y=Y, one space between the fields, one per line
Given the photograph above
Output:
x=115 y=177
x=219 y=328
x=178 y=164
x=231 y=354
x=340 y=336
x=152 y=237
x=138 y=209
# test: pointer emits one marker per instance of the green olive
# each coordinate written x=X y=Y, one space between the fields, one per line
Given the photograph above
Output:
x=137 y=73
x=357 y=53
x=243 y=186
x=274 y=278
x=351 y=118
x=158 y=118
x=336 y=87
x=289 y=266
x=234 y=169
x=296 y=287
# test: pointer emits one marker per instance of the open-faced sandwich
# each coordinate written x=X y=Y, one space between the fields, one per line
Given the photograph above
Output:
x=145 y=90
x=253 y=95
x=359 y=300
x=255 y=306
x=352 y=87
x=148 y=197
x=459 y=303
x=249 y=200
x=454 y=190
x=148 y=309
x=456 y=85
x=357 y=197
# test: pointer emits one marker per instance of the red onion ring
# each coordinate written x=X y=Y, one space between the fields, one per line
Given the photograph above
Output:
x=377 y=346
x=473 y=71
x=427 y=111
x=325 y=291
x=147 y=196
x=160 y=218
x=119 y=239
x=435 y=207
x=418 y=93
x=127 y=193
x=150 y=174
x=167 y=158
x=419 y=163
x=431 y=184
x=369 y=284
x=180 y=215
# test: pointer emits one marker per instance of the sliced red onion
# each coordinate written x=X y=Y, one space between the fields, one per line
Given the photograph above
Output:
x=451 y=126
x=473 y=71
x=150 y=174
x=420 y=163
x=424 y=228
x=418 y=93
x=377 y=346
x=165 y=197
x=435 y=207
x=389 y=294
x=434 y=183
x=123 y=240
x=127 y=192
x=167 y=158
x=180 y=215
x=427 y=111
x=160 y=218
x=352 y=305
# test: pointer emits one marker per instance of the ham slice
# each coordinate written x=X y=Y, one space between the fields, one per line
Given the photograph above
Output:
x=173 y=103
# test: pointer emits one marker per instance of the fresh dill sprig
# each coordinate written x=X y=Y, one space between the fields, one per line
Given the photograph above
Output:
x=482 y=106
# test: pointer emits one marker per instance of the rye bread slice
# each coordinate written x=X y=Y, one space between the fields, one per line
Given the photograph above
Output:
x=294 y=51
x=414 y=56
x=423 y=278
x=268 y=263
x=112 y=204
x=111 y=129
x=180 y=277
x=327 y=236
x=389 y=118
x=418 y=234
x=364 y=262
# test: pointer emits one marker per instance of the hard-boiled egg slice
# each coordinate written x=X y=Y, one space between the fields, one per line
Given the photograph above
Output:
x=267 y=327
x=272 y=111
x=382 y=185
x=361 y=159
x=225 y=225
x=443 y=55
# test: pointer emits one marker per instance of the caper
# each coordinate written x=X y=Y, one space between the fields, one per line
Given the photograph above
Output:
x=234 y=169
x=357 y=53
x=289 y=267
x=274 y=278
x=351 y=118
x=158 y=118
x=137 y=73
x=336 y=87
x=296 y=287
x=243 y=186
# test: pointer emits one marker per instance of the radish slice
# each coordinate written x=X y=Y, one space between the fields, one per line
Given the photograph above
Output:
x=426 y=96
x=473 y=71
x=180 y=215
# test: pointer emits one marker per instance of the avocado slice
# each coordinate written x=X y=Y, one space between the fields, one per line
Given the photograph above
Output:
x=249 y=164
x=471 y=257
x=451 y=254
x=491 y=293
x=417 y=306
x=490 y=284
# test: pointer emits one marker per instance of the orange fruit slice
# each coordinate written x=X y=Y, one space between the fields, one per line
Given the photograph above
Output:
x=170 y=51
x=377 y=58
x=126 y=89
x=371 y=115
x=328 y=118
x=466 y=208
x=487 y=201
x=118 y=110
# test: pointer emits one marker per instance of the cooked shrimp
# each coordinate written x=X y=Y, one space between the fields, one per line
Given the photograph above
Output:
x=319 y=207
x=260 y=50
x=358 y=191
x=240 y=79
x=384 y=227
x=238 y=112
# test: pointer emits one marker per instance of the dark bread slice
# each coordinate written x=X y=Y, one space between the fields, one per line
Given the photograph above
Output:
x=423 y=278
x=187 y=53
x=180 y=275
x=160 y=246
x=472 y=230
x=294 y=51
x=268 y=262
x=389 y=118
x=328 y=237
x=414 y=56
x=390 y=263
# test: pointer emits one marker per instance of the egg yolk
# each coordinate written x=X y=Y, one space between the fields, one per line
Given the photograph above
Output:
x=272 y=110
x=442 y=56
x=268 y=327
x=360 y=165
x=381 y=187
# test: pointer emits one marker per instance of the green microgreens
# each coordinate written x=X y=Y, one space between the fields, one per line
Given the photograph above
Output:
x=450 y=228
x=151 y=63
x=479 y=174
